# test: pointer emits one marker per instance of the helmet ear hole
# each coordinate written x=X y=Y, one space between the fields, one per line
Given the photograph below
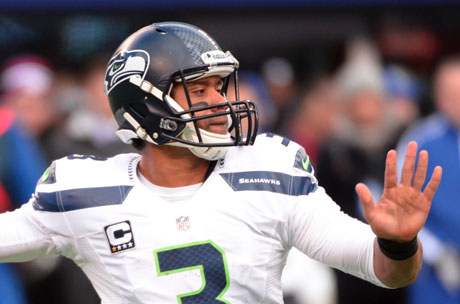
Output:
x=151 y=118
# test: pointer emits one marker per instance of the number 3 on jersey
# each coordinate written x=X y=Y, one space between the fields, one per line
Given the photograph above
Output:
x=205 y=256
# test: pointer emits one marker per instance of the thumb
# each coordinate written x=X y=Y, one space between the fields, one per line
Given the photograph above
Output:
x=365 y=196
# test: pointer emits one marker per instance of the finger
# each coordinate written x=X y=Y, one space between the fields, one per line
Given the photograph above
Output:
x=409 y=164
x=391 y=175
x=367 y=201
x=433 y=184
x=420 y=173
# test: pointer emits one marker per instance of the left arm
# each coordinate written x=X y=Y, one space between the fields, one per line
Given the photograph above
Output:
x=395 y=273
x=399 y=215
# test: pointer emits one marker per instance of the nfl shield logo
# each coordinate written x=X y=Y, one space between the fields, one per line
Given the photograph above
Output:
x=183 y=223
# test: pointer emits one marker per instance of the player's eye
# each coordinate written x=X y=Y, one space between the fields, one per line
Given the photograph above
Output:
x=199 y=92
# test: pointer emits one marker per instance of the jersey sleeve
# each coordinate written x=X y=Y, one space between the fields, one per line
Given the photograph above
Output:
x=42 y=226
x=29 y=233
x=318 y=227
x=23 y=237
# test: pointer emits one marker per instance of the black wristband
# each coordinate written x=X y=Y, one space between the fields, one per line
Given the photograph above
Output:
x=398 y=251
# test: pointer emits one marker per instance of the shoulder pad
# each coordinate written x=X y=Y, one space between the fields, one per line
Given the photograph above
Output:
x=270 y=152
x=274 y=163
x=80 y=181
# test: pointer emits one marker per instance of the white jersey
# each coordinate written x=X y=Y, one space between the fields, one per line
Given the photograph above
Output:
x=228 y=243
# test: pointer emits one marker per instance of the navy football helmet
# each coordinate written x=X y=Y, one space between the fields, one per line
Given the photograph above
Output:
x=141 y=74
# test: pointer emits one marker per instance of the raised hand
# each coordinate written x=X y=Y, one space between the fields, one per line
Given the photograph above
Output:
x=403 y=208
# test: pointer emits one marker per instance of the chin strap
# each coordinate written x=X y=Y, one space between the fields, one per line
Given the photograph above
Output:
x=209 y=153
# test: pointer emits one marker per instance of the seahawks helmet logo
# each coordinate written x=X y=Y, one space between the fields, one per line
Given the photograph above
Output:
x=124 y=65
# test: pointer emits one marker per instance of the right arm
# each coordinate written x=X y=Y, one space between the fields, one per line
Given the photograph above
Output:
x=22 y=237
x=322 y=231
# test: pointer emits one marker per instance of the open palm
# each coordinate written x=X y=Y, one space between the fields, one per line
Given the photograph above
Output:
x=403 y=208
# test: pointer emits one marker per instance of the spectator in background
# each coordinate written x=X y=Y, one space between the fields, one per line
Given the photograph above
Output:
x=279 y=77
x=21 y=161
x=315 y=120
x=368 y=121
x=27 y=84
x=439 y=134
x=403 y=92
x=90 y=128
x=357 y=153
x=21 y=164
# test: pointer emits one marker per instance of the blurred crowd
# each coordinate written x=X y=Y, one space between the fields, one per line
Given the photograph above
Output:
x=347 y=119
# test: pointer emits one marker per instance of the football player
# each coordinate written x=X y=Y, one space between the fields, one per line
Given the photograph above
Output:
x=208 y=211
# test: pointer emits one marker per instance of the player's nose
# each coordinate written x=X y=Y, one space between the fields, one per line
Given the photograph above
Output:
x=217 y=98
